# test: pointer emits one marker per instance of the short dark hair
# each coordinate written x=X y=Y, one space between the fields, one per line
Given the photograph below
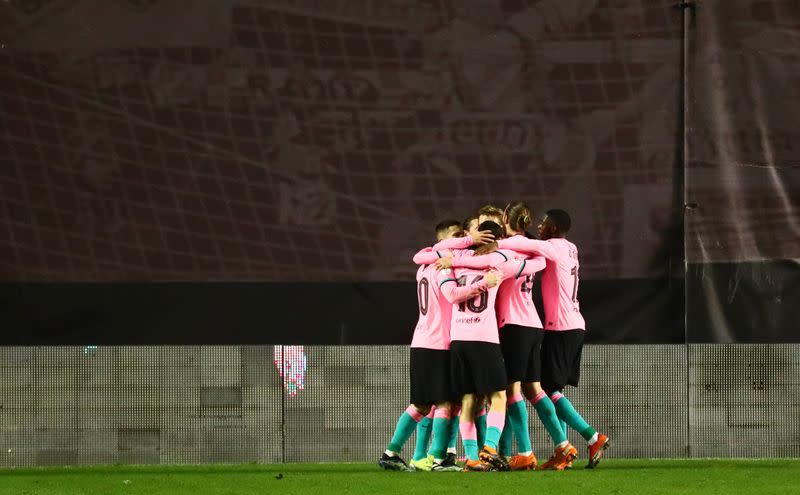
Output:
x=467 y=221
x=442 y=226
x=560 y=219
x=497 y=231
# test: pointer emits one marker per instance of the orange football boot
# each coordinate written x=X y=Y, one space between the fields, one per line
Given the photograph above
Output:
x=491 y=457
x=597 y=449
x=523 y=462
x=561 y=458
x=477 y=466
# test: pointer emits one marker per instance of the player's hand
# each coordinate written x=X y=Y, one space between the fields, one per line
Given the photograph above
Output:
x=482 y=237
x=493 y=278
x=443 y=263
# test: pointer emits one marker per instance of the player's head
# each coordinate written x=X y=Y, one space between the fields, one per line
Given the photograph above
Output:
x=556 y=223
x=497 y=232
x=517 y=217
x=470 y=225
x=448 y=229
x=490 y=212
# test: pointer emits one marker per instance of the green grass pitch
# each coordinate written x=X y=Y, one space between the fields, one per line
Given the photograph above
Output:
x=652 y=477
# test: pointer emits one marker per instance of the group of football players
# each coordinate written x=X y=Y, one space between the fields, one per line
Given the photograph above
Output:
x=480 y=351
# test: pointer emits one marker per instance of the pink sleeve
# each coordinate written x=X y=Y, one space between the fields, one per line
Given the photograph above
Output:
x=453 y=243
x=426 y=256
x=517 y=268
x=533 y=265
x=543 y=248
x=482 y=262
x=455 y=293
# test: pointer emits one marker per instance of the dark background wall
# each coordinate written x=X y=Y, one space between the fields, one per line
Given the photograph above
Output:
x=208 y=211
x=262 y=172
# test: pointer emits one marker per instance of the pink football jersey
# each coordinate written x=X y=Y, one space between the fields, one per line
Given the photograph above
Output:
x=473 y=317
x=433 y=325
x=559 y=280
x=515 y=296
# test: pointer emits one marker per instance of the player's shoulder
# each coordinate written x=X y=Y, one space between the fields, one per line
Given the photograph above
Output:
x=571 y=246
x=511 y=254
x=567 y=248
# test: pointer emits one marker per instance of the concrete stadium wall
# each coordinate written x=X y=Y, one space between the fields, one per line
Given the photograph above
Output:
x=188 y=405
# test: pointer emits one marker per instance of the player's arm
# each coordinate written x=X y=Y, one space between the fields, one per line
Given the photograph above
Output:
x=533 y=265
x=429 y=256
x=481 y=262
x=542 y=248
x=453 y=243
x=477 y=239
x=455 y=293
x=517 y=268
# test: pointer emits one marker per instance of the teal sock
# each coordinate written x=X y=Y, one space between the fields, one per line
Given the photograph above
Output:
x=402 y=432
x=563 y=424
x=547 y=414
x=505 y=446
x=496 y=422
x=568 y=414
x=480 y=425
x=441 y=437
x=517 y=415
x=471 y=449
x=423 y=437
x=452 y=432
x=493 y=437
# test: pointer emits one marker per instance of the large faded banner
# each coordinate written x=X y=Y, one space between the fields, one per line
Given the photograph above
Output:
x=321 y=141
x=743 y=172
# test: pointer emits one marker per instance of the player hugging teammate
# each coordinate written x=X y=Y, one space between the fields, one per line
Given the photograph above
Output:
x=479 y=343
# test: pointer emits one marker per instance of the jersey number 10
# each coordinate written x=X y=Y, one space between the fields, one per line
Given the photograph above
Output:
x=482 y=300
x=422 y=295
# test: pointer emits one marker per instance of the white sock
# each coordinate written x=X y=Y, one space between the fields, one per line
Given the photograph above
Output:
x=438 y=461
x=526 y=454
x=452 y=451
x=593 y=439
x=562 y=444
x=390 y=453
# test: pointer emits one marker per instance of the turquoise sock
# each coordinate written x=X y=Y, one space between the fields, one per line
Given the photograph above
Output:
x=471 y=449
x=493 y=436
x=441 y=437
x=517 y=415
x=505 y=446
x=480 y=425
x=452 y=432
x=563 y=424
x=402 y=432
x=547 y=414
x=423 y=437
x=568 y=414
